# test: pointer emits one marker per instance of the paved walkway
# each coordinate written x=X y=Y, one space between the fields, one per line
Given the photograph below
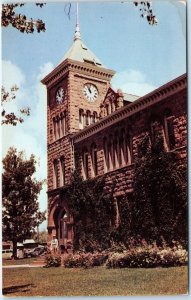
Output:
x=21 y=266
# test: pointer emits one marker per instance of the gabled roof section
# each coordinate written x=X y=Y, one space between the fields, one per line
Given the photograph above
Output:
x=110 y=94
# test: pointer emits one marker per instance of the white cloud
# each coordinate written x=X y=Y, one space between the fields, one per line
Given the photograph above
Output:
x=31 y=135
x=11 y=75
x=132 y=82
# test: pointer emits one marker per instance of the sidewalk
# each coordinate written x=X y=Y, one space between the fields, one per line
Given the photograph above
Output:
x=22 y=266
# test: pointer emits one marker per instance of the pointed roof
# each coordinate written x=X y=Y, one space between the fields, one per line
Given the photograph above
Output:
x=80 y=54
x=79 y=50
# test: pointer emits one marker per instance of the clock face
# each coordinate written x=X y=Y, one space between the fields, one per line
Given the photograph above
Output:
x=90 y=91
x=60 y=95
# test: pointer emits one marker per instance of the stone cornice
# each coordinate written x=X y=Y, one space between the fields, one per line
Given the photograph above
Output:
x=144 y=102
x=78 y=67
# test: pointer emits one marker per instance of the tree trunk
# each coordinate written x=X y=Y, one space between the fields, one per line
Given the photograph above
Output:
x=14 y=249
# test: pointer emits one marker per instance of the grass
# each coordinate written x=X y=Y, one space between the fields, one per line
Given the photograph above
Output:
x=23 y=261
x=94 y=282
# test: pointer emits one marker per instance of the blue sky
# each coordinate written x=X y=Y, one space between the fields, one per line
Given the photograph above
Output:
x=144 y=57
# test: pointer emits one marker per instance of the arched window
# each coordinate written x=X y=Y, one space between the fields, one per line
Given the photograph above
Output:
x=56 y=173
x=107 y=109
x=63 y=123
x=169 y=129
x=106 y=155
x=54 y=129
x=94 y=117
x=111 y=106
x=110 y=153
x=85 y=164
x=128 y=150
x=81 y=117
x=58 y=127
x=94 y=159
x=155 y=127
x=122 y=148
x=88 y=118
x=115 y=152
x=62 y=171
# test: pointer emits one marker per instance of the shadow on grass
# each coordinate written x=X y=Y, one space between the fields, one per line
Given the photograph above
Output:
x=17 y=288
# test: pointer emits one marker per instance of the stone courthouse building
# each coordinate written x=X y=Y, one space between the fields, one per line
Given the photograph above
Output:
x=104 y=126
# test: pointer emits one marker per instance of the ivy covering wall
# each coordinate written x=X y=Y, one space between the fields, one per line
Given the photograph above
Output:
x=155 y=211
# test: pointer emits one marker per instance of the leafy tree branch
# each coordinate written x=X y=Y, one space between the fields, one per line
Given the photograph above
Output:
x=146 y=11
x=11 y=118
x=20 y=21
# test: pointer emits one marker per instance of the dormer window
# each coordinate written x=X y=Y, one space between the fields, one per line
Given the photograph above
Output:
x=84 y=47
x=89 y=61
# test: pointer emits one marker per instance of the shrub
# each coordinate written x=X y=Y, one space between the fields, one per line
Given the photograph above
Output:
x=149 y=256
x=85 y=260
x=52 y=260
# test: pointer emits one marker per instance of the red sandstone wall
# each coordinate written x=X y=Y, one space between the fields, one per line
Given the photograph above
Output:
x=137 y=126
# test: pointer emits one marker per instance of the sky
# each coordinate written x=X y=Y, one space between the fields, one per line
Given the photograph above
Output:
x=144 y=58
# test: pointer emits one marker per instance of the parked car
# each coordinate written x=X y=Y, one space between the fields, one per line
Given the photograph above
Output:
x=36 y=251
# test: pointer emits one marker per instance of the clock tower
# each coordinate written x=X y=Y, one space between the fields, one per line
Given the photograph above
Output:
x=75 y=90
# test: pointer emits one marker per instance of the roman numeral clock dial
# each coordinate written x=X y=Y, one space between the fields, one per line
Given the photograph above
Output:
x=60 y=95
x=90 y=92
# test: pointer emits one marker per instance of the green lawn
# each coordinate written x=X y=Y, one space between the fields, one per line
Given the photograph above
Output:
x=24 y=261
x=94 y=282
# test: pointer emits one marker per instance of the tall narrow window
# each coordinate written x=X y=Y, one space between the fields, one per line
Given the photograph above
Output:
x=128 y=150
x=62 y=169
x=155 y=128
x=56 y=173
x=54 y=128
x=110 y=153
x=123 y=148
x=107 y=109
x=87 y=118
x=85 y=164
x=58 y=127
x=94 y=117
x=169 y=130
x=65 y=123
x=63 y=129
x=111 y=106
x=94 y=159
x=115 y=153
x=81 y=113
x=106 y=158
x=131 y=148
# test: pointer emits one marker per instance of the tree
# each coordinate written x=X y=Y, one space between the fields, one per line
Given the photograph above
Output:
x=19 y=21
x=160 y=193
x=11 y=118
x=20 y=192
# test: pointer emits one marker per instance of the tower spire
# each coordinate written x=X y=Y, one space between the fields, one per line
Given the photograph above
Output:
x=77 y=30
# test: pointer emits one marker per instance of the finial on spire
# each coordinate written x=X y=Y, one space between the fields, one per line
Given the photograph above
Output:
x=77 y=30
